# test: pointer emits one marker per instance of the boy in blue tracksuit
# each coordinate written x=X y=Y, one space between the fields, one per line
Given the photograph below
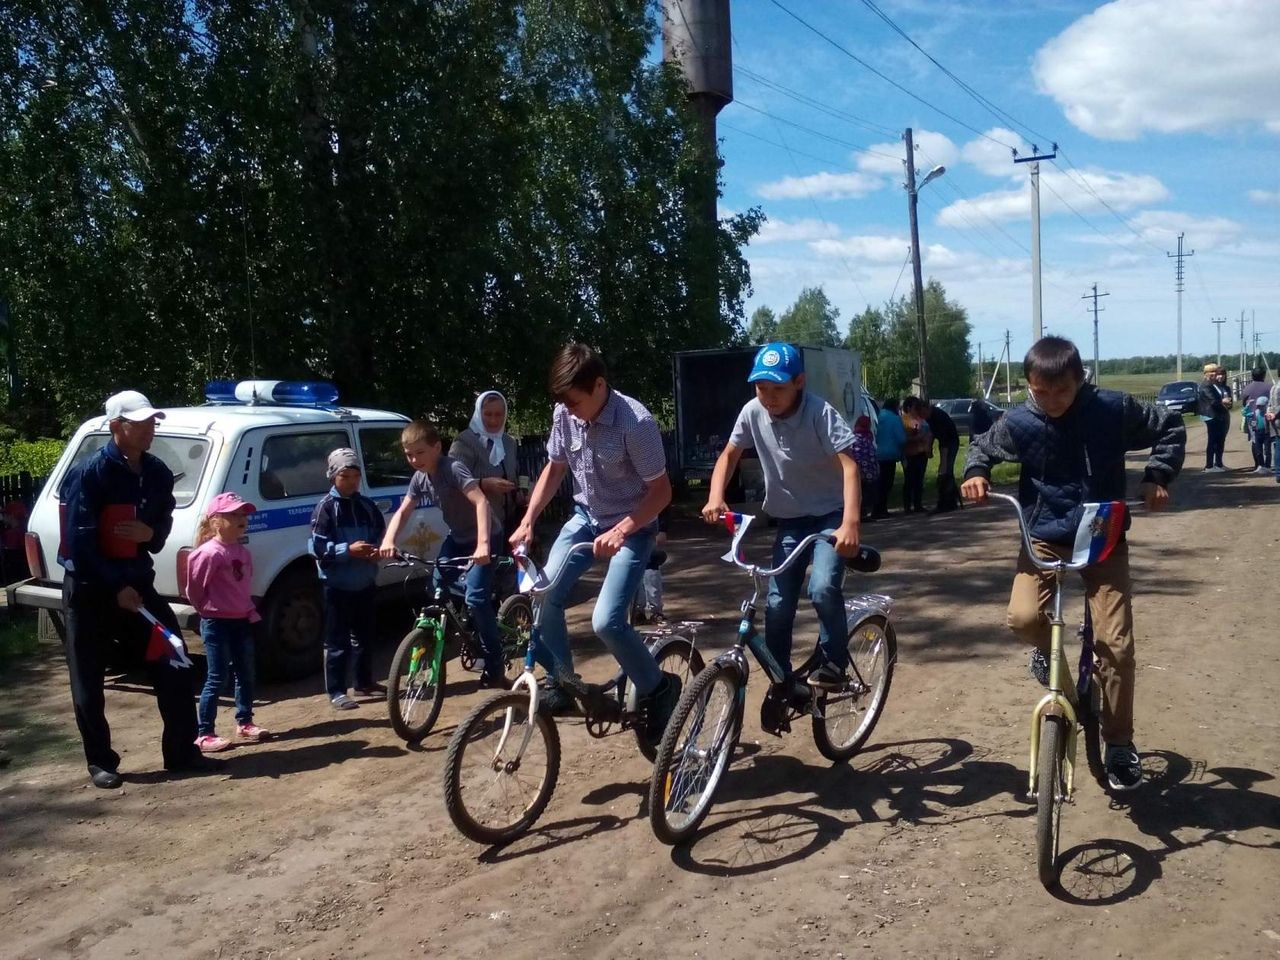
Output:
x=346 y=529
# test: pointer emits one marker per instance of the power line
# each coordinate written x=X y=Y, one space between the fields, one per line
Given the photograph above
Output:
x=994 y=110
x=856 y=147
x=887 y=79
x=782 y=146
x=1088 y=187
x=818 y=105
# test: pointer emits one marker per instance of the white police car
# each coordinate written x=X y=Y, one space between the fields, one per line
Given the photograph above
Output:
x=267 y=441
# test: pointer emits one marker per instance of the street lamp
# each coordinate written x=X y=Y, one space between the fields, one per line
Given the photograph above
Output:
x=913 y=190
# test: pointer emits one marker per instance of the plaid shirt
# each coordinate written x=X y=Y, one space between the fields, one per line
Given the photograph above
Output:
x=611 y=459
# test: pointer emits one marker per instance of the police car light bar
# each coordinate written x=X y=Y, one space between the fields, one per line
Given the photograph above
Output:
x=292 y=393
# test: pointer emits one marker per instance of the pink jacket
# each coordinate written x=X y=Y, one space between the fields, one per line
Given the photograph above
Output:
x=219 y=577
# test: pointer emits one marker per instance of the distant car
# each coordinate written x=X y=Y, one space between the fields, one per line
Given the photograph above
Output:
x=1179 y=396
x=961 y=411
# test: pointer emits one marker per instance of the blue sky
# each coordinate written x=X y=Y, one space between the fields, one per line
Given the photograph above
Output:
x=1169 y=110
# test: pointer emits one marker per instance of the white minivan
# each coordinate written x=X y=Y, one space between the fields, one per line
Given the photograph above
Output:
x=267 y=441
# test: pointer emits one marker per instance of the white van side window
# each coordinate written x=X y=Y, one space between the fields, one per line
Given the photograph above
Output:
x=293 y=464
x=384 y=462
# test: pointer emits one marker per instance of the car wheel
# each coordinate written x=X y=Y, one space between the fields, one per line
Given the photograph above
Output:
x=289 y=636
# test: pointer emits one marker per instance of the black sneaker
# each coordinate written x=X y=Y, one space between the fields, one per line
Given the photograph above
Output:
x=1040 y=667
x=497 y=682
x=653 y=712
x=553 y=699
x=1124 y=769
x=829 y=677
x=104 y=779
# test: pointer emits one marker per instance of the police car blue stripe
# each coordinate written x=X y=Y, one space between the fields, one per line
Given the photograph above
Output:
x=300 y=516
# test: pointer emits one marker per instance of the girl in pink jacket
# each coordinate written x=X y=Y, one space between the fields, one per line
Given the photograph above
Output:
x=219 y=577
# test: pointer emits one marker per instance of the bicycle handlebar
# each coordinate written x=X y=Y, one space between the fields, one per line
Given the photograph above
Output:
x=1028 y=547
x=576 y=549
x=867 y=559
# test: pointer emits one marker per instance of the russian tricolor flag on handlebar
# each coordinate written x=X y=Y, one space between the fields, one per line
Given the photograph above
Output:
x=530 y=575
x=1101 y=526
x=737 y=524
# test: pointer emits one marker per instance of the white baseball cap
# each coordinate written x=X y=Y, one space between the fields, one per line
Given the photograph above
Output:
x=131 y=405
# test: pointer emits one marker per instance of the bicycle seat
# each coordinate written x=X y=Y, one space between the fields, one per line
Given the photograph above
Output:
x=867 y=560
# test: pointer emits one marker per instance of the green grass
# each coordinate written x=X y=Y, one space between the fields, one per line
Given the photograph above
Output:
x=1143 y=383
x=18 y=641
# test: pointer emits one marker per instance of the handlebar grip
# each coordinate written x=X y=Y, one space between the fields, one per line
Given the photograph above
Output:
x=866 y=560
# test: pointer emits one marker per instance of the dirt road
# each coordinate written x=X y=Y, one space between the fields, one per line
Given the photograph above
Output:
x=332 y=841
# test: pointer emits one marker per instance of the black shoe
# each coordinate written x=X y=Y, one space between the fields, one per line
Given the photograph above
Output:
x=104 y=779
x=498 y=682
x=553 y=699
x=829 y=677
x=1040 y=667
x=1124 y=768
x=653 y=711
x=195 y=763
x=372 y=690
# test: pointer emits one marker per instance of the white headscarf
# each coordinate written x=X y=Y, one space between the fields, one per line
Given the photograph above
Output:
x=498 y=452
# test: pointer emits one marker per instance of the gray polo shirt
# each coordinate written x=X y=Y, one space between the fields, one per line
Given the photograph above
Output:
x=799 y=478
x=612 y=459
x=447 y=488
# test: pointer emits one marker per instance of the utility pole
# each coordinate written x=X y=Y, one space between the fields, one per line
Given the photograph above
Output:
x=1037 y=318
x=1242 y=343
x=1218 y=324
x=1094 y=297
x=981 y=378
x=1008 y=390
x=1178 y=286
x=922 y=359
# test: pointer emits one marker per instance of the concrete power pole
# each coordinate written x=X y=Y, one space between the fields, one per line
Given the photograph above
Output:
x=1242 y=343
x=1008 y=390
x=1096 y=309
x=922 y=356
x=1178 y=286
x=1218 y=324
x=1037 y=316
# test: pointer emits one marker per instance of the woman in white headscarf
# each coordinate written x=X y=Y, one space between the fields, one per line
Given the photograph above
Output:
x=489 y=452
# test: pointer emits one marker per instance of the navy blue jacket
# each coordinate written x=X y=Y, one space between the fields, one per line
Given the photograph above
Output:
x=337 y=523
x=1079 y=457
x=103 y=480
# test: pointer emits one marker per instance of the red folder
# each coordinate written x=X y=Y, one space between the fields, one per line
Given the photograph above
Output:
x=112 y=546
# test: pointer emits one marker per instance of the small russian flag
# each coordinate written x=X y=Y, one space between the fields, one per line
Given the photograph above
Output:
x=1101 y=526
x=738 y=523
x=164 y=645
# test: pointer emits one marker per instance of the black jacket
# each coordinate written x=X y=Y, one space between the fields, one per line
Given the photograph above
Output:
x=106 y=479
x=1079 y=457
x=1209 y=401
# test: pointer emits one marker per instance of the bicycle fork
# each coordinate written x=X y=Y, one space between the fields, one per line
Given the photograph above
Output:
x=1056 y=702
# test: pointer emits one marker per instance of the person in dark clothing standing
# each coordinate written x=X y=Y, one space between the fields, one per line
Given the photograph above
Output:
x=916 y=452
x=119 y=510
x=1214 y=404
x=944 y=430
x=980 y=419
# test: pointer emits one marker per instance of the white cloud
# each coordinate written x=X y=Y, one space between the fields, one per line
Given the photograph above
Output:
x=1264 y=196
x=888 y=158
x=1122 y=191
x=788 y=231
x=1163 y=227
x=865 y=249
x=1166 y=65
x=995 y=159
x=822 y=186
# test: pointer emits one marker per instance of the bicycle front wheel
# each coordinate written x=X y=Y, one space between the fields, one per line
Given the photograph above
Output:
x=676 y=655
x=493 y=789
x=845 y=717
x=694 y=753
x=1051 y=790
x=415 y=692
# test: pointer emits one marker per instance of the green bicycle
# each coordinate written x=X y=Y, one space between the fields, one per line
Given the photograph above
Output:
x=443 y=630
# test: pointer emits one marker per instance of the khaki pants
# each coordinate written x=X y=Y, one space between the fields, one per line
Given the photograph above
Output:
x=1107 y=590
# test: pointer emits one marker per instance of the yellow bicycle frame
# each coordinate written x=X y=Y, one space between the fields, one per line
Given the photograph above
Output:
x=1061 y=700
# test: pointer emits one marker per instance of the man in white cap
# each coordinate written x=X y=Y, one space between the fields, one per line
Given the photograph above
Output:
x=119 y=510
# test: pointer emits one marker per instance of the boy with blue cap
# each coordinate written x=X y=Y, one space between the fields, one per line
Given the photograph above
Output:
x=811 y=486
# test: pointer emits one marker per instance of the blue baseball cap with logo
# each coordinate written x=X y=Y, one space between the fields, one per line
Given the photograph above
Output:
x=777 y=362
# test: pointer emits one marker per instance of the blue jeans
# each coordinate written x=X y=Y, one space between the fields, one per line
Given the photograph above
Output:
x=479 y=596
x=228 y=648
x=825 y=584
x=349 y=630
x=609 y=621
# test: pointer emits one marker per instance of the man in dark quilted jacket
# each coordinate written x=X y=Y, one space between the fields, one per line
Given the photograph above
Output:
x=1071 y=439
